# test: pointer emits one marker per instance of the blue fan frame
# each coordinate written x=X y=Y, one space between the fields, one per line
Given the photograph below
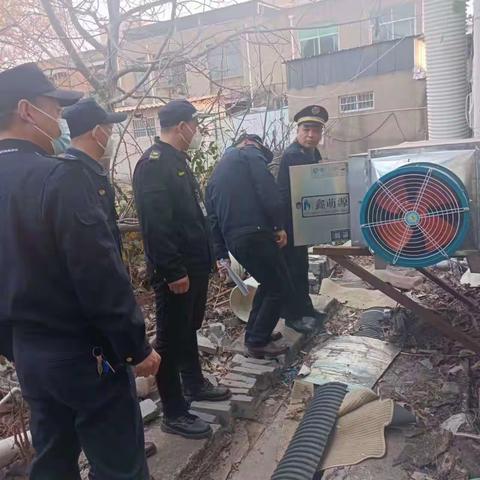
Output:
x=446 y=176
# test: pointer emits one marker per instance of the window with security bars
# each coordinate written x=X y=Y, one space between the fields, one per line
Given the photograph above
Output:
x=144 y=127
x=318 y=41
x=395 y=23
x=357 y=102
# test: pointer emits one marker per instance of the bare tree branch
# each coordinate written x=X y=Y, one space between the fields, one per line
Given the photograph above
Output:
x=84 y=33
x=155 y=61
x=69 y=47
x=144 y=8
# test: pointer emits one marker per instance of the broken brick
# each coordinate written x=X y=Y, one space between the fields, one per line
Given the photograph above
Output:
x=222 y=410
x=244 y=406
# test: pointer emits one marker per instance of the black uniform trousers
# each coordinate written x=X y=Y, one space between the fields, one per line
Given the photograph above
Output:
x=74 y=408
x=297 y=264
x=178 y=319
x=259 y=254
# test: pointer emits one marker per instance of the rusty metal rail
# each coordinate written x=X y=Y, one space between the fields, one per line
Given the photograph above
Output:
x=339 y=255
x=448 y=288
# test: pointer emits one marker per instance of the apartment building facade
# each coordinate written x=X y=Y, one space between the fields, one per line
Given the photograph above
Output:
x=283 y=54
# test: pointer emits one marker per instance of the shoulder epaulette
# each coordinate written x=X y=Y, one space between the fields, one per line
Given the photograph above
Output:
x=155 y=154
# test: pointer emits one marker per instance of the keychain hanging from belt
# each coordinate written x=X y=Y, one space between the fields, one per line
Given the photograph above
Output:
x=103 y=365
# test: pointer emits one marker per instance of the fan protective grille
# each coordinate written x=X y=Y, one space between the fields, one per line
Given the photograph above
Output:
x=416 y=215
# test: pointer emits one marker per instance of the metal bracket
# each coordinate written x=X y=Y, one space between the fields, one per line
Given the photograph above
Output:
x=430 y=316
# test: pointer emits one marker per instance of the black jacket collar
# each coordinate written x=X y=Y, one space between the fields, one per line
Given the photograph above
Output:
x=23 y=146
x=169 y=149
x=86 y=160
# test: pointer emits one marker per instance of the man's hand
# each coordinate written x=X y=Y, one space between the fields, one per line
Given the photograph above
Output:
x=281 y=238
x=222 y=268
x=149 y=366
x=180 y=286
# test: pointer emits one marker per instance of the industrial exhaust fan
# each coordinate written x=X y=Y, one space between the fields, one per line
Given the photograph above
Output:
x=416 y=215
x=413 y=205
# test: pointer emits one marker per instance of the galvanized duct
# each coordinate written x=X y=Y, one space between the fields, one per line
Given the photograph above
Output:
x=446 y=45
x=306 y=449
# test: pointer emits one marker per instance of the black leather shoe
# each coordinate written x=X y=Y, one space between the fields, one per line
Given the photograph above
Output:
x=207 y=392
x=150 y=449
x=270 y=350
x=188 y=426
x=306 y=325
x=319 y=316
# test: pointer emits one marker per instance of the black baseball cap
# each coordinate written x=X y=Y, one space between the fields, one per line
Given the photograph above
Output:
x=87 y=114
x=248 y=136
x=177 y=111
x=28 y=81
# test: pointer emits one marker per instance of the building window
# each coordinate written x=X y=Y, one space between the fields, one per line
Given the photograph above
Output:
x=60 y=78
x=172 y=76
x=318 y=41
x=394 y=23
x=225 y=62
x=144 y=127
x=357 y=102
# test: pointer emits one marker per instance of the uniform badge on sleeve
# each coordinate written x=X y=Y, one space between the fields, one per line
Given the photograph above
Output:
x=181 y=173
x=154 y=155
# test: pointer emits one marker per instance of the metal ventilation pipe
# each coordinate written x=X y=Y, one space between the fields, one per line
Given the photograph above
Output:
x=446 y=45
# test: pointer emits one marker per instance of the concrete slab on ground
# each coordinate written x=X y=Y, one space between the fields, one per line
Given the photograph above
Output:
x=323 y=303
x=262 y=460
x=174 y=453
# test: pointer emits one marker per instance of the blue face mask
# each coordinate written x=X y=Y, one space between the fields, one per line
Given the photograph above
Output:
x=61 y=143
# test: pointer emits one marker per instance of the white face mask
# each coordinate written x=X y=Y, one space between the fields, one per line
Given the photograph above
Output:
x=108 y=148
x=196 y=142
x=57 y=146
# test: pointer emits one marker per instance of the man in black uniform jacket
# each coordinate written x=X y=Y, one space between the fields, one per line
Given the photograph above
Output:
x=76 y=326
x=303 y=151
x=91 y=133
x=246 y=217
x=178 y=250
x=90 y=128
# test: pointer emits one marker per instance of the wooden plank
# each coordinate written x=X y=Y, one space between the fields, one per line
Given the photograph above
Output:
x=330 y=250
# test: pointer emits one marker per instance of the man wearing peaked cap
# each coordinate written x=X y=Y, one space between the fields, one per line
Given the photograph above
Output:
x=91 y=129
x=311 y=121
x=66 y=295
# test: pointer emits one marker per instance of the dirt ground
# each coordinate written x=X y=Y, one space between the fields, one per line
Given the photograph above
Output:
x=433 y=377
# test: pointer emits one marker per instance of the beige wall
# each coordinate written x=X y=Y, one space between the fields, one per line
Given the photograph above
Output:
x=353 y=16
x=264 y=55
x=398 y=97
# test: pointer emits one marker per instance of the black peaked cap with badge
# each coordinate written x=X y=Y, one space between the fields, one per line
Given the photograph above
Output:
x=177 y=111
x=87 y=114
x=315 y=114
x=27 y=81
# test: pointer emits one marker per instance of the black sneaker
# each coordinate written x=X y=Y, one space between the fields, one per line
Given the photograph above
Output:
x=207 y=391
x=188 y=426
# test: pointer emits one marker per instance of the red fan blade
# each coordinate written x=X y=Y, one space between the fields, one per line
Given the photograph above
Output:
x=395 y=236
x=437 y=232
x=395 y=198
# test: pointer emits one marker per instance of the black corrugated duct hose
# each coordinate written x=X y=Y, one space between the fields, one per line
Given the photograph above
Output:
x=303 y=455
